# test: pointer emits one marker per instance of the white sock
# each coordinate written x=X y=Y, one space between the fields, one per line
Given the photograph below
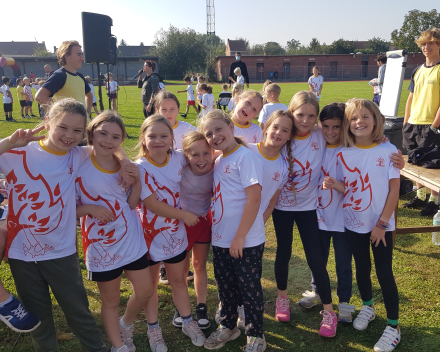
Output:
x=2 y=304
x=123 y=324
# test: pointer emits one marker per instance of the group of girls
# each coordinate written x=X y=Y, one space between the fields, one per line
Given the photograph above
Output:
x=161 y=210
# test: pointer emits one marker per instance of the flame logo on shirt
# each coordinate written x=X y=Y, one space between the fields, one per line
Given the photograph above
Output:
x=328 y=191
x=304 y=174
x=217 y=197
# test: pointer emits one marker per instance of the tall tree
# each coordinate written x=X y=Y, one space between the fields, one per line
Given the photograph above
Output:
x=315 y=46
x=293 y=45
x=257 y=49
x=342 y=46
x=377 y=45
x=123 y=43
x=273 y=48
x=414 y=23
x=40 y=51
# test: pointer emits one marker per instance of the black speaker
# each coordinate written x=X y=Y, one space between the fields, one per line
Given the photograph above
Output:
x=96 y=37
x=113 y=58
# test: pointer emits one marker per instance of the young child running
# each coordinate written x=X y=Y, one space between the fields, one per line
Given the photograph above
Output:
x=190 y=99
x=111 y=230
x=112 y=89
x=297 y=203
x=248 y=106
x=41 y=223
x=237 y=232
x=208 y=100
x=163 y=220
x=370 y=183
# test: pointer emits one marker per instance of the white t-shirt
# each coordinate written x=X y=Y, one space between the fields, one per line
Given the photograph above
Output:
x=275 y=174
x=199 y=95
x=117 y=243
x=307 y=155
x=180 y=129
x=165 y=237
x=190 y=93
x=196 y=192
x=113 y=86
x=233 y=173
x=316 y=83
x=161 y=86
x=330 y=214
x=231 y=104
x=92 y=89
x=208 y=100
x=366 y=172
x=251 y=133
x=240 y=80
x=268 y=109
x=6 y=99
x=42 y=211
x=36 y=87
x=28 y=91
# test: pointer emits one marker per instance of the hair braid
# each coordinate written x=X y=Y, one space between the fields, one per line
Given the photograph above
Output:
x=290 y=162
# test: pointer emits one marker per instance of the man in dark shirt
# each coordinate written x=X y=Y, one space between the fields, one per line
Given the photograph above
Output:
x=150 y=87
x=243 y=68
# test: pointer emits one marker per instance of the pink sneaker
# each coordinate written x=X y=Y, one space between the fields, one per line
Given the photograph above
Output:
x=329 y=324
x=283 y=309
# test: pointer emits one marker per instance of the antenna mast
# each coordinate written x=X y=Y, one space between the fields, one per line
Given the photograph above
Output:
x=210 y=17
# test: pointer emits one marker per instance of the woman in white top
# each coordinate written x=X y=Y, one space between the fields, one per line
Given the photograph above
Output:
x=315 y=83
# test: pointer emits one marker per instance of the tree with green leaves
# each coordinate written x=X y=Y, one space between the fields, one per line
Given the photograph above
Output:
x=314 y=46
x=292 y=45
x=257 y=49
x=377 y=45
x=341 y=46
x=246 y=42
x=41 y=51
x=273 y=48
x=414 y=23
x=123 y=43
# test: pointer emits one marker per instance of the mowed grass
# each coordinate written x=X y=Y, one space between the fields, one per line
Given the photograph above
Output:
x=416 y=268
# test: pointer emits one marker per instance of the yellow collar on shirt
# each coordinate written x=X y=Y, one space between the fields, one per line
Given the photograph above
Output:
x=158 y=165
x=332 y=146
x=241 y=126
x=50 y=150
x=177 y=124
x=265 y=156
x=233 y=150
x=301 y=138
x=366 y=146
x=95 y=164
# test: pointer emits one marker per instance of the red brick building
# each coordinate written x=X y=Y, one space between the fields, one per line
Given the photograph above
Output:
x=298 y=68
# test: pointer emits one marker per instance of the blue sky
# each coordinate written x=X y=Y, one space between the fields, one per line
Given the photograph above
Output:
x=259 y=21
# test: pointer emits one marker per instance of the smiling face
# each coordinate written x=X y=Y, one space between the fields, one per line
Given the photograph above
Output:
x=247 y=109
x=107 y=137
x=430 y=49
x=158 y=139
x=168 y=108
x=219 y=134
x=279 y=132
x=200 y=158
x=75 y=59
x=331 y=130
x=65 y=132
x=362 y=125
x=305 y=117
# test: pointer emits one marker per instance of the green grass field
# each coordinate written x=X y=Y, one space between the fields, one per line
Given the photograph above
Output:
x=416 y=267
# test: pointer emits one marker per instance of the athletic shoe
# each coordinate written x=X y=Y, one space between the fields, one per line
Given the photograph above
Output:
x=366 y=315
x=219 y=337
x=329 y=324
x=177 y=320
x=218 y=318
x=193 y=331
x=184 y=116
x=123 y=348
x=27 y=117
x=127 y=336
x=22 y=116
x=282 y=310
x=157 y=344
x=12 y=120
x=388 y=341
x=241 y=321
x=163 y=277
x=33 y=115
x=415 y=203
x=190 y=276
x=345 y=312
x=255 y=344
x=202 y=316
x=430 y=210
x=17 y=317
x=310 y=299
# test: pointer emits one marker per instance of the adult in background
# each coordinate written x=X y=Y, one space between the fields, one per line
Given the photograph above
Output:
x=66 y=82
x=149 y=85
x=48 y=71
x=240 y=64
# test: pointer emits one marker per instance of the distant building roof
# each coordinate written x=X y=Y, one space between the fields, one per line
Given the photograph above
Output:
x=233 y=46
x=135 y=50
x=359 y=44
x=20 y=48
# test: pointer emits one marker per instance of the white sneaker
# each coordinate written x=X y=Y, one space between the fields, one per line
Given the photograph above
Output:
x=241 y=317
x=123 y=348
x=218 y=318
x=345 y=312
x=310 y=299
x=366 y=315
x=388 y=341
x=255 y=344
x=194 y=333
x=127 y=336
x=157 y=344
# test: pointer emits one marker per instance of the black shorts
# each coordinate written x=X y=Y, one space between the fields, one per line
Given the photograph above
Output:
x=7 y=107
x=105 y=276
x=94 y=104
x=29 y=103
x=174 y=260
x=415 y=136
x=23 y=103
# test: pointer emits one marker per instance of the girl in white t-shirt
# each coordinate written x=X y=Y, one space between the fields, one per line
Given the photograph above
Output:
x=112 y=89
x=112 y=237
x=315 y=83
x=163 y=220
x=237 y=231
x=42 y=222
x=168 y=106
x=208 y=100
x=248 y=106
x=370 y=183
x=236 y=91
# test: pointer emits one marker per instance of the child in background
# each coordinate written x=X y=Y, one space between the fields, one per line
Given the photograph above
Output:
x=315 y=83
x=111 y=230
x=112 y=89
x=7 y=99
x=369 y=211
x=37 y=85
x=163 y=220
x=240 y=78
x=272 y=95
x=196 y=194
x=92 y=89
x=27 y=89
x=161 y=85
x=249 y=105
x=190 y=99
x=22 y=97
x=224 y=97
x=263 y=90
x=236 y=91
x=376 y=98
x=237 y=233
x=208 y=100
x=200 y=81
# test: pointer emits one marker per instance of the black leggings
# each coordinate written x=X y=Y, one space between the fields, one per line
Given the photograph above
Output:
x=307 y=223
x=383 y=261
